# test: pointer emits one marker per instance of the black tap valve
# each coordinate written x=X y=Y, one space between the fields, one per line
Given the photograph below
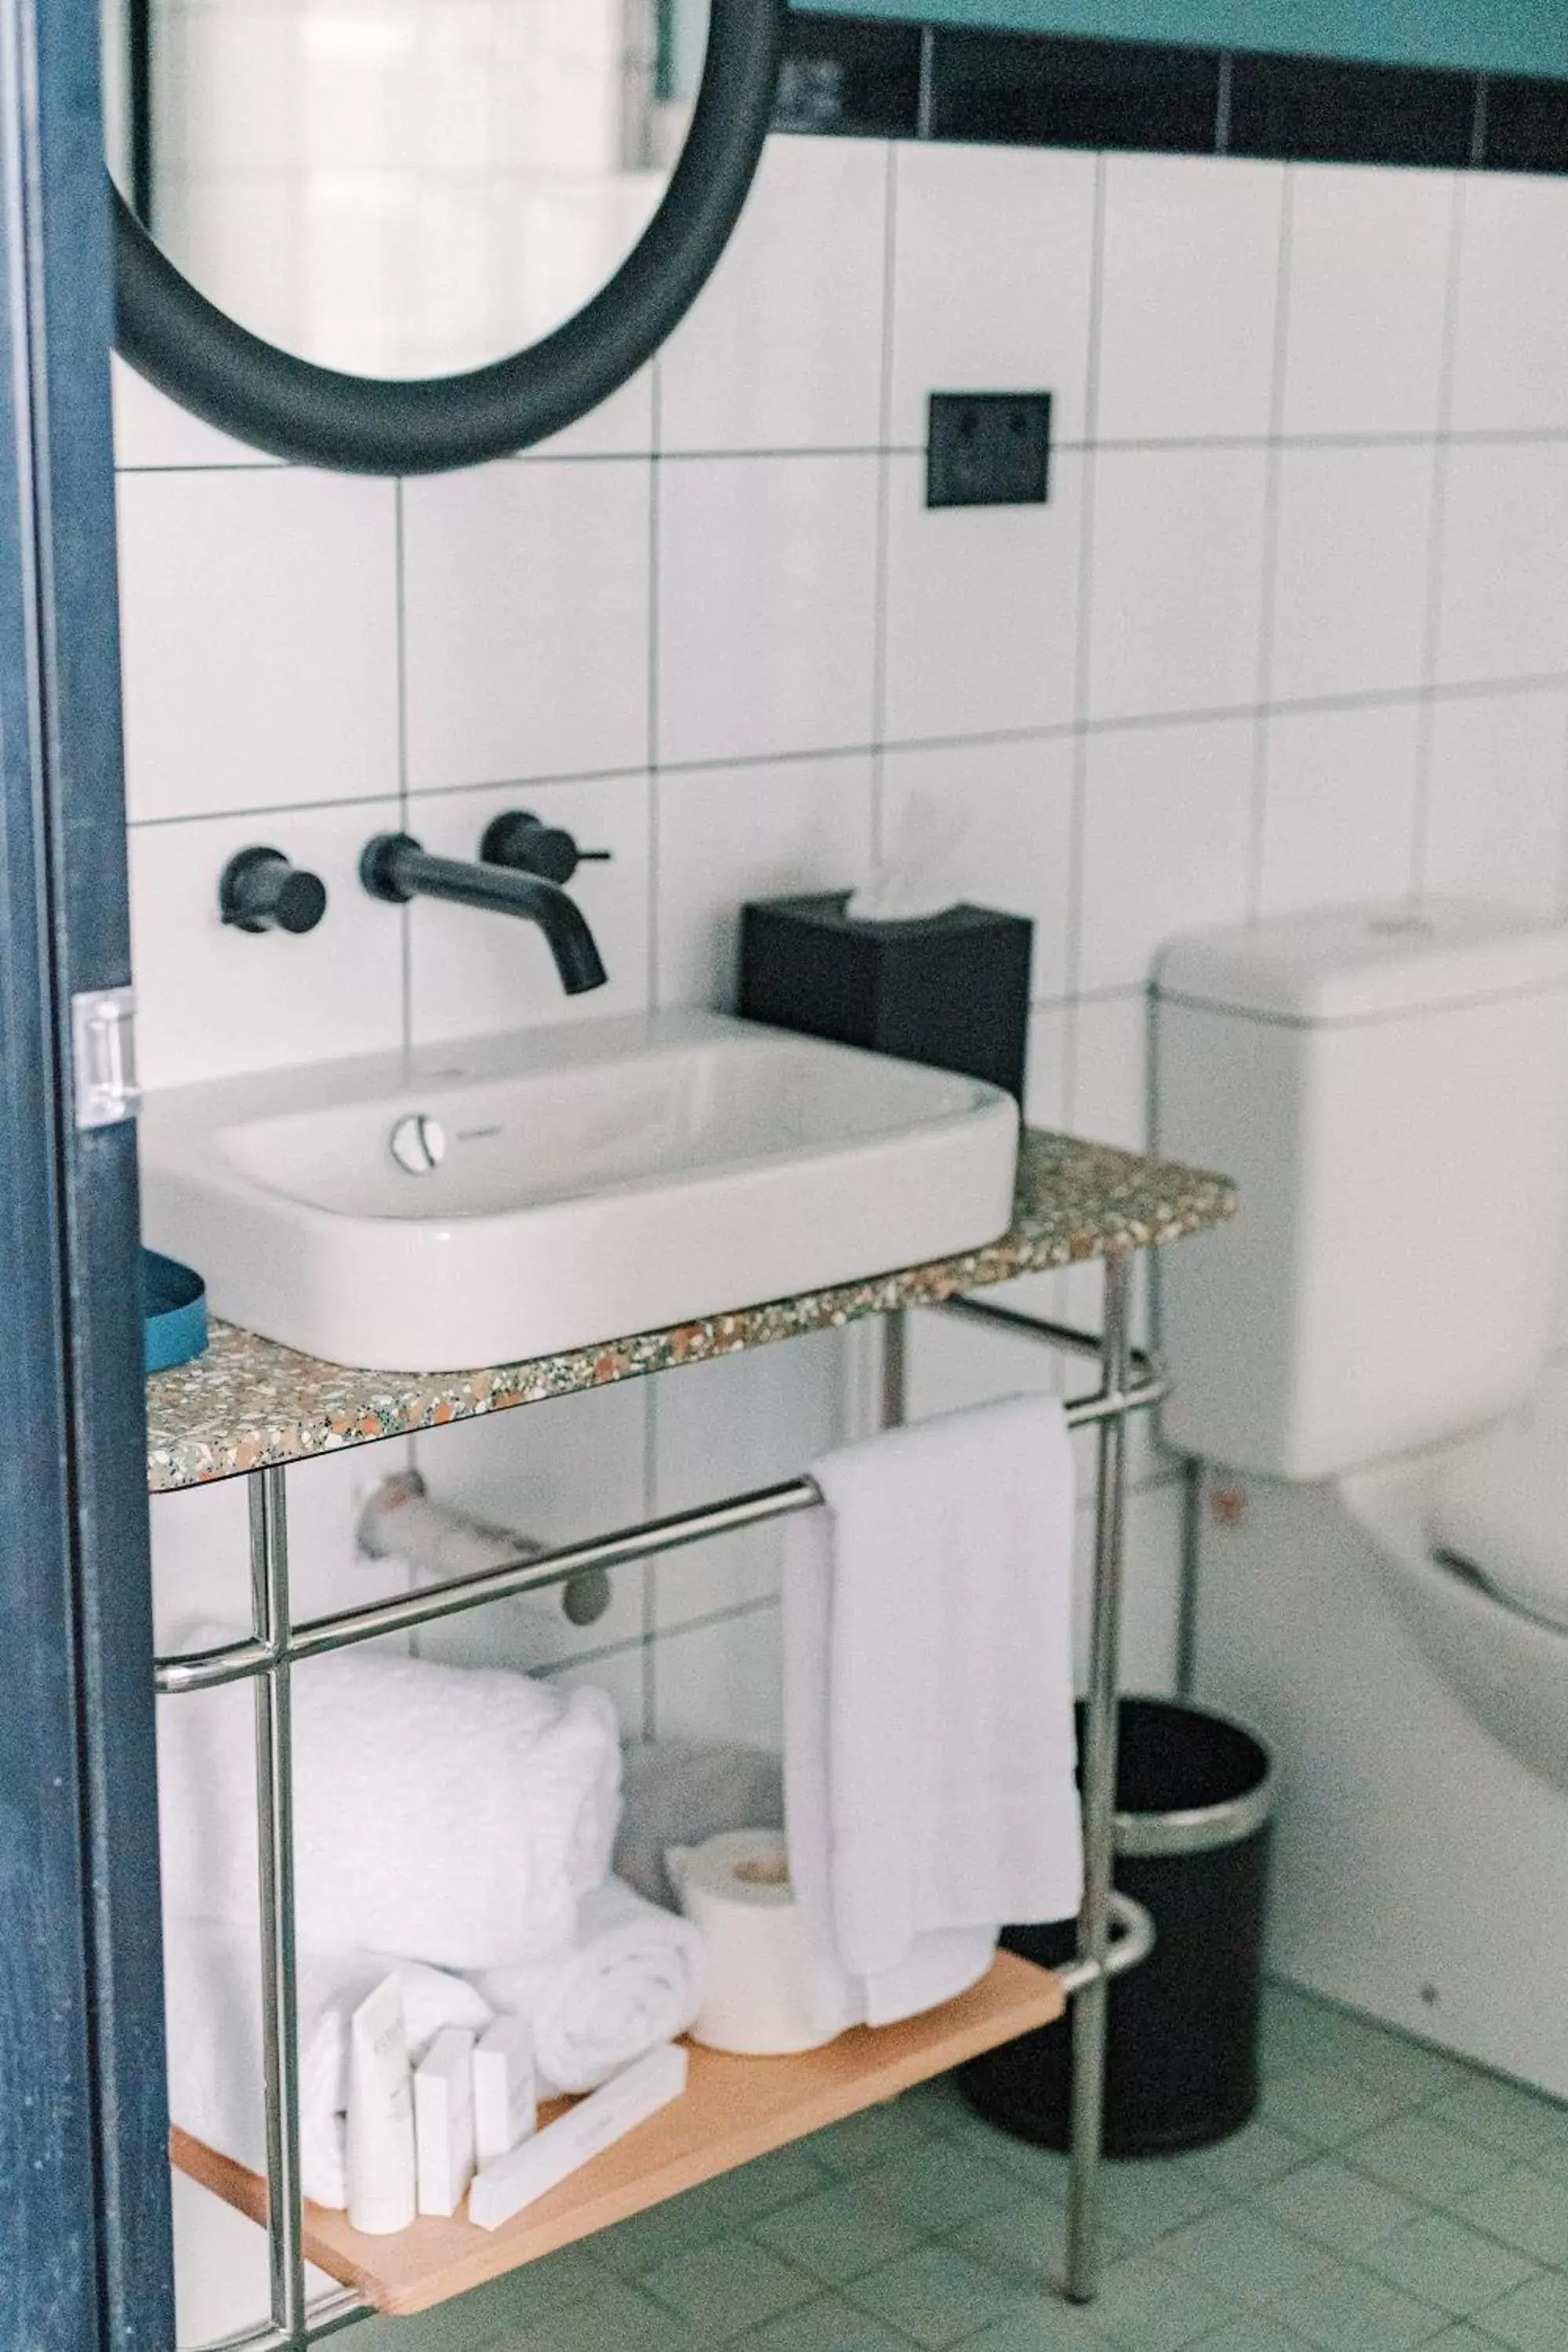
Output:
x=528 y=845
x=260 y=890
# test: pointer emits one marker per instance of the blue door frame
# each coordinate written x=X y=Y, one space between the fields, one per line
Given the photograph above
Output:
x=84 y=2220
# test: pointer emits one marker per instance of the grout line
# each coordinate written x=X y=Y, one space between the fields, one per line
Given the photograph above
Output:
x=1083 y=649
x=1268 y=585
x=884 y=510
x=1370 y=698
x=1436 y=553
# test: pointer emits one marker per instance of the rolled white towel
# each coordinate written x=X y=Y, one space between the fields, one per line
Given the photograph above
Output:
x=441 y=1813
x=212 y=1993
x=634 y=1978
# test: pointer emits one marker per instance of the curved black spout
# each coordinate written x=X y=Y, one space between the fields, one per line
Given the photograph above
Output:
x=393 y=866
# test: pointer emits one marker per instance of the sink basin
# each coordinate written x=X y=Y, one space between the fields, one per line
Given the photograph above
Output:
x=521 y=1195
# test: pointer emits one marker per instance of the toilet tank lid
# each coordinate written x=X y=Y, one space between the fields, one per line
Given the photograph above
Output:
x=1365 y=964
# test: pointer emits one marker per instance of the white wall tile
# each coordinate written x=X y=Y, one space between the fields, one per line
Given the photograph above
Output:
x=1014 y=801
x=472 y=972
x=213 y=1000
x=993 y=263
x=151 y=430
x=783 y=348
x=982 y=609
x=727 y=834
x=1110 y=1080
x=1167 y=831
x=1175 y=619
x=1497 y=798
x=1338 y=808
x=1504 y=609
x=767 y=593
x=1510 y=353
x=526 y=611
x=1351 y=571
x=1189 y=296
x=726 y=1427
x=557 y=1472
x=722 y=1681
x=259 y=639
x=1046 y=1078
x=1369 y=264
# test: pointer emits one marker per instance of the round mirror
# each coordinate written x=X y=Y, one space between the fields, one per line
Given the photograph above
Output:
x=395 y=235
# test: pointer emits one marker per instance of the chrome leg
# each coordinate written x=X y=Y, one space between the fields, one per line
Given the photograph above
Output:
x=271 y=1625
x=1099 y=1778
x=1192 y=1539
x=895 y=1367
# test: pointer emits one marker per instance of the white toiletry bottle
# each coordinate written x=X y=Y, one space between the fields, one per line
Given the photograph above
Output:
x=380 y=2158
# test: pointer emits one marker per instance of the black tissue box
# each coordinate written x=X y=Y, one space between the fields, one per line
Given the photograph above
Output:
x=951 y=989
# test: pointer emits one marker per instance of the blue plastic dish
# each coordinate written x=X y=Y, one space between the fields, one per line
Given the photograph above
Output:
x=176 y=1311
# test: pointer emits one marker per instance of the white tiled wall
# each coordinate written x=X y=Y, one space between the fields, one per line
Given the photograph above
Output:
x=1293 y=627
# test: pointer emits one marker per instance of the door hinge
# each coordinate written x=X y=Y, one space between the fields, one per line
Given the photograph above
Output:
x=103 y=1053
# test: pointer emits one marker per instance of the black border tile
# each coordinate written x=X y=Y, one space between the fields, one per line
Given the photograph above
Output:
x=1334 y=111
x=1526 y=125
x=1044 y=91
x=850 y=76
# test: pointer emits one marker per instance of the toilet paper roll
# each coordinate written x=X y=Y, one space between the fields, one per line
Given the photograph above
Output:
x=763 y=1996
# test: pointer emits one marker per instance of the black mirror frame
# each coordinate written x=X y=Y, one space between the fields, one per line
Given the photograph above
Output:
x=366 y=425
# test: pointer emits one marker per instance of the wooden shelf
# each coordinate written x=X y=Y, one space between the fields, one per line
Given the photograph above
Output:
x=733 y=2109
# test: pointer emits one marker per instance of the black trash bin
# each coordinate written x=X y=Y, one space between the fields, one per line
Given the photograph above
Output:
x=1193 y=1796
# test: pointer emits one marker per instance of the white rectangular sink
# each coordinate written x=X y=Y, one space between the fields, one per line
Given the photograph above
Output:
x=517 y=1196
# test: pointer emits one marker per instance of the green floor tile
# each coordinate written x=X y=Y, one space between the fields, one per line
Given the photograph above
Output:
x=837 y=2234
x=1525 y=2209
x=1298 y=2030
x=1243 y=2253
x=1257 y=2333
x=1042 y=2169
x=1505 y=2116
x=1338 y=2208
x=738 y=2197
x=718 y=2293
x=896 y=2128
x=1249 y=2160
x=938 y=2186
x=1145 y=2201
x=1047 y=2324
x=659 y=2234
x=1534 y=2318
x=1027 y=2241
x=937 y=2295
x=609 y=2321
x=828 y=2324
x=1326 y=2106
x=1426 y=2158
x=1148 y=2305
x=1445 y=2262
x=1349 y=2311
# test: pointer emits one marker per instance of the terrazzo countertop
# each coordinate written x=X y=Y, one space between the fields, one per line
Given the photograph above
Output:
x=249 y=1402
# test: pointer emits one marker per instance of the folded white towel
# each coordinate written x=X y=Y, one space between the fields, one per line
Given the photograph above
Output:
x=212 y=1993
x=929 y=1743
x=442 y=1815
x=634 y=1978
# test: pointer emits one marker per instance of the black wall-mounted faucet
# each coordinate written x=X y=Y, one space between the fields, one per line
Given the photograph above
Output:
x=395 y=868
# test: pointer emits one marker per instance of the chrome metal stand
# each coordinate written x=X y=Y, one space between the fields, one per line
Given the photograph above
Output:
x=1130 y=1383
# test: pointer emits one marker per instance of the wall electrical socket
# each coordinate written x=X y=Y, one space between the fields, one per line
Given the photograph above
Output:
x=989 y=449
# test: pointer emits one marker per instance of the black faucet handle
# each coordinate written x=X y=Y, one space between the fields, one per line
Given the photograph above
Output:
x=260 y=890
x=528 y=845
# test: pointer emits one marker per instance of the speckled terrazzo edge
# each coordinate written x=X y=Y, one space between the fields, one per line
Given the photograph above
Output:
x=248 y=1404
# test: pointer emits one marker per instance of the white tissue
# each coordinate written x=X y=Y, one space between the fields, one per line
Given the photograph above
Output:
x=916 y=875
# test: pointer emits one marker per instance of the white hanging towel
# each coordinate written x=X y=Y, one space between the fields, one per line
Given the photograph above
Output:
x=929 y=1743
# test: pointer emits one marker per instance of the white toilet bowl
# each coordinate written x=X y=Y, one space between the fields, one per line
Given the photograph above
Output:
x=1390 y=1087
